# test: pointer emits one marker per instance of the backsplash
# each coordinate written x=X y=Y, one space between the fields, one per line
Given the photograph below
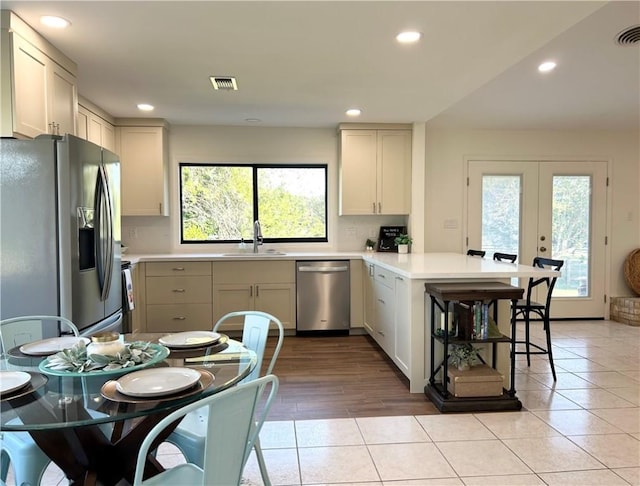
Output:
x=153 y=234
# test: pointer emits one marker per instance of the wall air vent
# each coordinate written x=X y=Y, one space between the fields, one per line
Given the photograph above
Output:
x=629 y=37
x=226 y=83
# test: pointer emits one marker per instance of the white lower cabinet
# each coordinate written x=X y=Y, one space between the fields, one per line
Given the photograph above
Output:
x=402 y=324
x=386 y=312
x=267 y=286
x=178 y=296
x=384 y=317
x=369 y=298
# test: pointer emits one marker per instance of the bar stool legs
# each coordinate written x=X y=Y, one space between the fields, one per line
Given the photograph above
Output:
x=526 y=306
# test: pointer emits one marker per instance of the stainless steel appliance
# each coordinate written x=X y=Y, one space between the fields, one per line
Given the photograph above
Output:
x=60 y=231
x=323 y=298
x=128 y=304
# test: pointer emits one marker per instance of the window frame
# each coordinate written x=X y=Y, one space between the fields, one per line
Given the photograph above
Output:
x=256 y=213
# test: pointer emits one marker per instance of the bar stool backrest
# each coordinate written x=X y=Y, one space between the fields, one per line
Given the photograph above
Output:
x=480 y=253
x=550 y=282
x=505 y=257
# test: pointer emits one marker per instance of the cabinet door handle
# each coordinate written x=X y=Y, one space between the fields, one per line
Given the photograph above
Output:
x=381 y=275
x=178 y=269
x=251 y=291
x=379 y=207
x=381 y=333
x=178 y=290
x=257 y=291
x=400 y=278
x=374 y=208
x=179 y=318
x=381 y=301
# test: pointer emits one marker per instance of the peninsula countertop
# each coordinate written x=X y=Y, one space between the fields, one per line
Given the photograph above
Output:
x=419 y=266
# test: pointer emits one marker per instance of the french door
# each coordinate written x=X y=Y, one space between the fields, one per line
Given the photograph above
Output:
x=548 y=209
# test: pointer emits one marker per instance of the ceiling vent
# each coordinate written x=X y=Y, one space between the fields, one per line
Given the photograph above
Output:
x=226 y=83
x=629 y=37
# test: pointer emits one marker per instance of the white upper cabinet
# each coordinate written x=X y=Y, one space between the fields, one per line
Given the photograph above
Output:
x=144 y=159
x=39 y=89
x=95 y=125
x=375 y=170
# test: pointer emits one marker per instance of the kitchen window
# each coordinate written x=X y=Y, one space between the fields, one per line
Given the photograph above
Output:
x=220 y=202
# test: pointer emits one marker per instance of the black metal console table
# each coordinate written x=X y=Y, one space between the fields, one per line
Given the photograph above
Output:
x=441 y=296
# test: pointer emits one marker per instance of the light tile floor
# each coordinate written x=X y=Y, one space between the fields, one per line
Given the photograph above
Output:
x=583 y=430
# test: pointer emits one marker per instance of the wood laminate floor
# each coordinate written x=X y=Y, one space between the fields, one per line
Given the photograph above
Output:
x=340 y=377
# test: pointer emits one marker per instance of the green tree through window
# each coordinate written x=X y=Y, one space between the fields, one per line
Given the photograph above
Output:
x=219 y=203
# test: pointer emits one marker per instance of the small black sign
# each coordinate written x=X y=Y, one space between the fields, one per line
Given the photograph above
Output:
x=388 y=235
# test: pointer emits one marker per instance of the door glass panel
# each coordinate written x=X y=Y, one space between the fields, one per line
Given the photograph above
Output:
x=571 y=210
x=500 y=214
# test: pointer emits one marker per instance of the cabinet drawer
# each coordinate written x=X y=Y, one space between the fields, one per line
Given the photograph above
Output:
x=254 y=272
x=179 y=290
x=164 y=269
x=179 y=317
x=385 y=277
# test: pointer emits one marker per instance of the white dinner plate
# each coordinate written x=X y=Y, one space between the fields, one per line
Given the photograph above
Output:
x=189 y=339
x=51 y=346
x=13 y=380
x=156 y=382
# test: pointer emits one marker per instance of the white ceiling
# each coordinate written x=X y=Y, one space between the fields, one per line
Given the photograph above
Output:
x=303 y=63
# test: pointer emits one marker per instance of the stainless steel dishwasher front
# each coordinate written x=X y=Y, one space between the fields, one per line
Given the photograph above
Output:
x=323 y=297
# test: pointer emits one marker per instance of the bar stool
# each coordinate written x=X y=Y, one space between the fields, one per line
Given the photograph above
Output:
x=480 y=253
x=526 y=307
x=505 y=257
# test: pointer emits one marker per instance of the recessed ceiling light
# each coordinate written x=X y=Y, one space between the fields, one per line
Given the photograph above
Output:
x=252 y=120
x=547 y=66
x=145 y=107
x=353 y=112
x=408 y=37
x=55 y=22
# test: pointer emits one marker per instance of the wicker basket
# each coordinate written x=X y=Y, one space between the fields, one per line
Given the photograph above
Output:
x=632 y=270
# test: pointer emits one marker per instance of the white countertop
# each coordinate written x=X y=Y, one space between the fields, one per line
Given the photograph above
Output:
x=413 y=265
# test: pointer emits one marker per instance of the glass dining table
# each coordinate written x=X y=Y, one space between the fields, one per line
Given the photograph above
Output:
x=92 y=430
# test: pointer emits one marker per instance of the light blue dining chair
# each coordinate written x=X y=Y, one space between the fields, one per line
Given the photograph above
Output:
x=233 y=427
x=18 y=448
x=189 y=435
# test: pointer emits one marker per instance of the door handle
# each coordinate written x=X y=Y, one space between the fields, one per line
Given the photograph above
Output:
x=543 y=248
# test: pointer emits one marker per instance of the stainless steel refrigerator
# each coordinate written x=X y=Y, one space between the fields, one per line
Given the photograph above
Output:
x=60 y=231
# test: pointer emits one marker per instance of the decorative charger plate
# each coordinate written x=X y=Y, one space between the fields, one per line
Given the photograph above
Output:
x=37 y=381
x=190 y=339
x=110 y=391
x=47 y=347
x=13 y=380
x=161 y=353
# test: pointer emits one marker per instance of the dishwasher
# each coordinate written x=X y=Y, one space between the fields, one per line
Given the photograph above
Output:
x=323 y=297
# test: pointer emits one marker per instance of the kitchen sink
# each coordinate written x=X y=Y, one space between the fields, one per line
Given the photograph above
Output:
x=255 y=255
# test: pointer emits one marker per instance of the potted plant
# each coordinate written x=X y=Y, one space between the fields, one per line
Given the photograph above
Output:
x=370 y=244
x=463 y=355
x=403 y=241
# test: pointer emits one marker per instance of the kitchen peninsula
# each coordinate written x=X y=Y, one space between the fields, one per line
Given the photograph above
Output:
x=388 y=298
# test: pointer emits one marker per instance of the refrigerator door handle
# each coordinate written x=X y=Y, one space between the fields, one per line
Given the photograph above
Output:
x=110 y=224
x=105 y=234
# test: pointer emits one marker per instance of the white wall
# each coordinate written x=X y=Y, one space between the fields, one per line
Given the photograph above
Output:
x=446 y=150
x=442 y=193
x=251 y=144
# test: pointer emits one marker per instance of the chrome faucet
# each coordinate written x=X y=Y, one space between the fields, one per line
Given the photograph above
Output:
x=257 y=236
